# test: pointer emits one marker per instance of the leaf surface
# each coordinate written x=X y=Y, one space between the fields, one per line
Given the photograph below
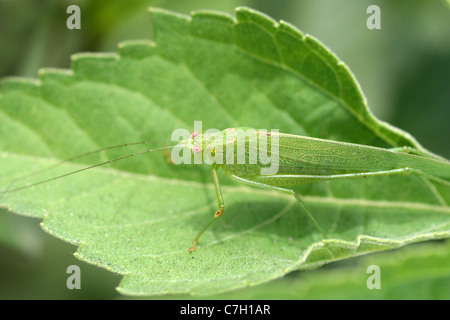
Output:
x=138 y=217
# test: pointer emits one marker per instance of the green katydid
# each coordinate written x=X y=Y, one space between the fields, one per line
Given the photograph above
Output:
x=299 y=159
x=305 y=160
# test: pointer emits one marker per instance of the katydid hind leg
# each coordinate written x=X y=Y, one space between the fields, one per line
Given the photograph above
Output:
x=308 y=213
x=289 y=191
x=273 y=182
x=293 y=179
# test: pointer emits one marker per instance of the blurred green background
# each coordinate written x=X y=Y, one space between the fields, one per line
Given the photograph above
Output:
x=403 y=69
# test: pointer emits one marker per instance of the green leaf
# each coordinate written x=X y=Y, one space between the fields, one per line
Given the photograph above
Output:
x=138 y=217
x=420 y=271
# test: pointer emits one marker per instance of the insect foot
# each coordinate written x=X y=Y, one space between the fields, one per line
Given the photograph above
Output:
x=194 y=244
x=218 y=213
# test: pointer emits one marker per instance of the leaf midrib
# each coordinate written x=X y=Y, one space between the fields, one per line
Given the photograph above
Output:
x=242 y=188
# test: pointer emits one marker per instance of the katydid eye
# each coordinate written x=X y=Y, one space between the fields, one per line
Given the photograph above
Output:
x=197 y=149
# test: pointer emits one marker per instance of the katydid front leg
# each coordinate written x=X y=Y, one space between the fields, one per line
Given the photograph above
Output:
x=218 y=213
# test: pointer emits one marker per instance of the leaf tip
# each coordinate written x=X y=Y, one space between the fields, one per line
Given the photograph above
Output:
x=136 y=49
x=163 y=12
x=245 y=14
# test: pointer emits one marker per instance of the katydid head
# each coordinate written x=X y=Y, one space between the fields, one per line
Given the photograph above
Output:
x=208 y=147
x=211 y=147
